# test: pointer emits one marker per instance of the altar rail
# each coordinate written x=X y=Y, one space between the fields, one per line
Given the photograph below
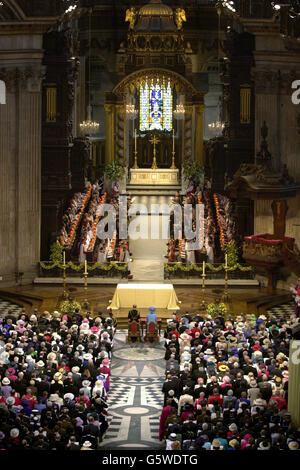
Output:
x=212 y=271
x=112 y=269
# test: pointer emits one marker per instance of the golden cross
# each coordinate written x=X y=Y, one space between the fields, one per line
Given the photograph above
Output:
x=154 y=141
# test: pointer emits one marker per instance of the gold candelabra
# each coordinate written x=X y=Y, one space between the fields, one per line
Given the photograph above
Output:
x=173 y=166
x=203 y=302
x=85 y=275
x=64 y=268
x=226 y=296
x=135 y=165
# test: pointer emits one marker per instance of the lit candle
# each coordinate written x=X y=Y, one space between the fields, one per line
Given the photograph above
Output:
x=85 y=267
x=226 y=261
x=64 y=257
x=203 y=268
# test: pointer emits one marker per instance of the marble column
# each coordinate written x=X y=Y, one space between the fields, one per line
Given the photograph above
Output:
x=20 y=145
x=110 y=133
x=294 y=382
x=199 y=151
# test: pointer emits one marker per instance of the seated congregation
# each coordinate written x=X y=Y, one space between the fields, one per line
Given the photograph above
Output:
x=55 y=380
x=226 y=385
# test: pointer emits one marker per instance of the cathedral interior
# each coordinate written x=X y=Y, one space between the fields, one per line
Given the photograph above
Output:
x=196 y=100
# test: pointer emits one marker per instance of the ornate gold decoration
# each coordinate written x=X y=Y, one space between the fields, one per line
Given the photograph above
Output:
x=155 y=8
x=139 y=78
x=131 y=17
x=180 y=17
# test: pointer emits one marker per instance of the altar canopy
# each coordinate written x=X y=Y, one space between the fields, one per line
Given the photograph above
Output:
x=144 y=296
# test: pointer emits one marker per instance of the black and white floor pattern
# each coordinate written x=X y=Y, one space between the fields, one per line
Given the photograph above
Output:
x=135 y=401
x=282 y=311
x=7 y=307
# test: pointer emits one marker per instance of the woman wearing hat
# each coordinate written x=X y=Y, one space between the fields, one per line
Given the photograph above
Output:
x=6 y=388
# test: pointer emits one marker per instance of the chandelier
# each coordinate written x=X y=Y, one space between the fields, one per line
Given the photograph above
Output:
x=179 y=112
x=216 y=127
x=89 y=127
x=131 y=111
x=293 y=5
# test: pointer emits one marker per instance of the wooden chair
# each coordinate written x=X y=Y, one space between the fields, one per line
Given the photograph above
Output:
x=133 y=332
x=151 y=333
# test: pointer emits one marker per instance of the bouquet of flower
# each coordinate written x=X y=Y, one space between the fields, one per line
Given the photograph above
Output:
x=69 y=306
x=212 y=309
x=222 y=309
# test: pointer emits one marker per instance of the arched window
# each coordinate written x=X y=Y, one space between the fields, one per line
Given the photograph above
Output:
x=2 y=92
x=156 y=102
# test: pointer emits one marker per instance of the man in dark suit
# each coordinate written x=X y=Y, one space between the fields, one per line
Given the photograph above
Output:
x=133 y=314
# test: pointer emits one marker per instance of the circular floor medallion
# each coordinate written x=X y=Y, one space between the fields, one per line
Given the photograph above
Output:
x=137 y=354
x=136 y=410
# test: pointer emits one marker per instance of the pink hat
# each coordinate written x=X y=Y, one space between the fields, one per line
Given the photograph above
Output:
x=94 y=329
x=85 y=320
x=105 y=362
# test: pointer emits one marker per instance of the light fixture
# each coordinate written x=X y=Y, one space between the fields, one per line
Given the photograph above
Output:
x=131 y=111
x=179 y=112
x=229 y=4
x=216 y=127
x=89 y=127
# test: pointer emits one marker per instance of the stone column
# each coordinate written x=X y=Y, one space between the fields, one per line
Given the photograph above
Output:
x=20 y=145
x=199 y=151
x=110 y=133
x=294 y=382
x=121 y=134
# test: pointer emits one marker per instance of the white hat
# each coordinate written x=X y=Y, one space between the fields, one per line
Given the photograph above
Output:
x=69 y=396
x=5 y=381
x=87 y=444
x=88 y=356
x=14 y=432
x=86 y=383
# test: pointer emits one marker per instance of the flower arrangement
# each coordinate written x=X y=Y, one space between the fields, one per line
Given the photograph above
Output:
x=222 y=237
x=231 y=250
x=56 y=251
x=114 y=171
x=215 y=309
x=70 y=306
x=222 y=308
x=193 y=170
x=212 y=309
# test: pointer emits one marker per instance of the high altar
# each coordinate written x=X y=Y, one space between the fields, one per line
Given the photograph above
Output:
x=154 y=115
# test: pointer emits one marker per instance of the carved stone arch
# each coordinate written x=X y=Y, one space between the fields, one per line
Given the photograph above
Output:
x=181 y=84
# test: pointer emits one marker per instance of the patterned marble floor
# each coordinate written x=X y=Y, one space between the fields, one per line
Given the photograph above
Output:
x=7 y=307
x=135 y=398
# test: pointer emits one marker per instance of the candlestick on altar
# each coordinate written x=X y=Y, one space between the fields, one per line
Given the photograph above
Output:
x=135 y=165
x=173 y=166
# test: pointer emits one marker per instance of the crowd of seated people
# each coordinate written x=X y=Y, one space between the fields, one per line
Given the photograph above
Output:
x=54 y=380
x=226 y=385
x=69 y=217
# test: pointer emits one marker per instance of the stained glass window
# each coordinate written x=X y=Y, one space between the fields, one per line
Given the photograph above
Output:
x=156 y=106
